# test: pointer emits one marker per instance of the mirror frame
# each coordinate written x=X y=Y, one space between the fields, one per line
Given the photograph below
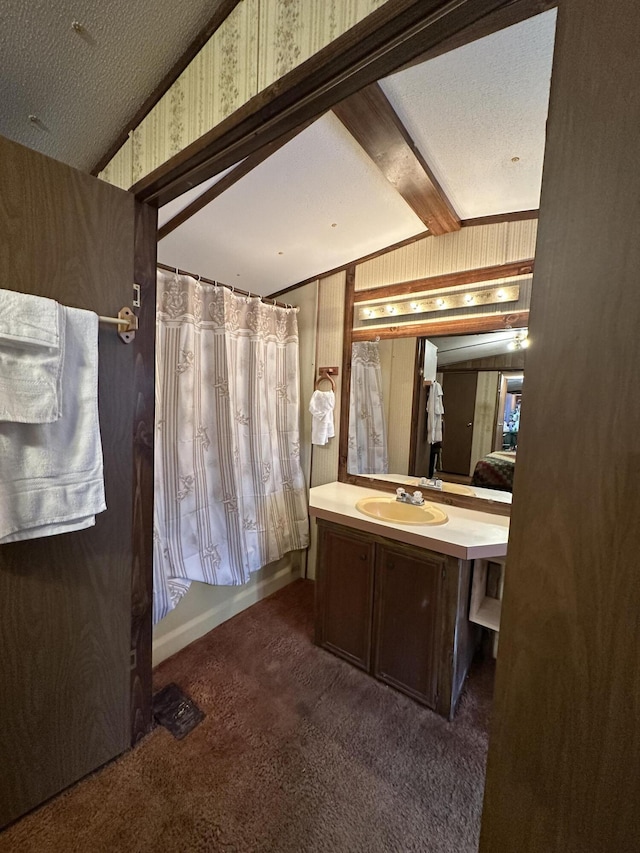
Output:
x=431 y=328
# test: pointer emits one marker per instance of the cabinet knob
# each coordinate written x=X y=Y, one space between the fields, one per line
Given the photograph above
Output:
x=390 y=564
x=363 y=556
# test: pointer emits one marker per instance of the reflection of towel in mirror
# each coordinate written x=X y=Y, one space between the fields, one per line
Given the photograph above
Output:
x=321 y=406
x=435 y=411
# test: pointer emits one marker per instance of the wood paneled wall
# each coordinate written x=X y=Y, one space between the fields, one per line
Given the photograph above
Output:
x=471 y=248
x=565 y=742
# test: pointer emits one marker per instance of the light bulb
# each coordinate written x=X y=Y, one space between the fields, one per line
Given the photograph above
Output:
x=500 y=294
x=440 y=303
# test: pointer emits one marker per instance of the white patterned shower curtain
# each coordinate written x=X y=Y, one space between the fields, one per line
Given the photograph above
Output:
x=230 y=494
x=367 y=451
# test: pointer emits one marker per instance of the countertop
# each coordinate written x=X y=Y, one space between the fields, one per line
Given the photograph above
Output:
x=468 y=534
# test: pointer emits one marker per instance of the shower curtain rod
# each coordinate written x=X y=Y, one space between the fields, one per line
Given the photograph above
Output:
x=221 y=284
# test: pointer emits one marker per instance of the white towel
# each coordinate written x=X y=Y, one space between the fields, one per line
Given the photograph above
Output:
x=435 y=411
x=51 y=475
x=321 y=406
x=31 y=358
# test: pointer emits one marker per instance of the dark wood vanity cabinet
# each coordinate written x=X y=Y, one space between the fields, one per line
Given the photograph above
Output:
x=405 y=619
x=397 y=611
x=344 y=596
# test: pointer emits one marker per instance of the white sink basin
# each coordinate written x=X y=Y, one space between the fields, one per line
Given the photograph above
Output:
x=389 y=509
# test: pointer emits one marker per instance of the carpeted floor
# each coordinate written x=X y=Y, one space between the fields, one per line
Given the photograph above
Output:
x=299 y=752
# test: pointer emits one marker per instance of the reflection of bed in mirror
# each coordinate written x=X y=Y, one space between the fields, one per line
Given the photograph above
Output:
x=495 y=470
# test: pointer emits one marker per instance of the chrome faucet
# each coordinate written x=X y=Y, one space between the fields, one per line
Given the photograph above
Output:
x=404 y=497
x=433 y=483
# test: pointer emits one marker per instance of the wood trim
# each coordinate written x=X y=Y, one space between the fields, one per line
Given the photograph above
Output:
x=143 y=424
x=514 y=13
x=454 y=279
x=222 y=10
x=495 y=218
x=373 y=123
x=393 y=34
x=452 y=326
x=415 y=402
x=345 y=387
x=242 y=169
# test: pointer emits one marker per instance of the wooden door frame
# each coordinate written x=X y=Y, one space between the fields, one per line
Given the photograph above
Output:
x=143 y=400
x=397 y=33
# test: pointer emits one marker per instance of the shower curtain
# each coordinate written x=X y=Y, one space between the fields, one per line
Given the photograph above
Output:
x=230 y=495
x=367 y=450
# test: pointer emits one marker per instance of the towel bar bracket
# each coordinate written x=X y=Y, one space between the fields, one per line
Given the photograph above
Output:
x=127 y=324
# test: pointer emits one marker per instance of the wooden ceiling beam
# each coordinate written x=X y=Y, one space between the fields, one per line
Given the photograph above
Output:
x=374 y=124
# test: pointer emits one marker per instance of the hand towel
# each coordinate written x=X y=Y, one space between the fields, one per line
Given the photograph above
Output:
x=321 y=406
x=51 y=475
x=31 y=357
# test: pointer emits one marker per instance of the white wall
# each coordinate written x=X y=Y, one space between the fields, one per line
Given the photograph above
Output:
x=205 y=606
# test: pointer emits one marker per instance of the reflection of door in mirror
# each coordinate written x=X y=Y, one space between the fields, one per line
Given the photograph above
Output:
x=459 y=389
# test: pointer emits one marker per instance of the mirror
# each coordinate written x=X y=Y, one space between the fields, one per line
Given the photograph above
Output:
x=472 y=448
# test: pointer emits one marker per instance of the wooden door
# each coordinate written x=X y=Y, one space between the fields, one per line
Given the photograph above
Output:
x=73 y=673
x=344 y=593
x=564 y=752
x=459 y=390
x=407 y=612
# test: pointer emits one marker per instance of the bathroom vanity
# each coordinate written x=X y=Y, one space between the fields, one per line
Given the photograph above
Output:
x=393 y=598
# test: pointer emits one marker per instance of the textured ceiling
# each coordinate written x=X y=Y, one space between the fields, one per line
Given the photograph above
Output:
x=315 y=204
x=84 y=87
x=472 y=110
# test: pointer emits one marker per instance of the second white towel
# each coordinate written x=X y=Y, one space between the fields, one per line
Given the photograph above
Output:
x=51 y=474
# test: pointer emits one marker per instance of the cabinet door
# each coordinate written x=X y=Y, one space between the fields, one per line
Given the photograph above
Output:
x=408 y=584
x=345 y=595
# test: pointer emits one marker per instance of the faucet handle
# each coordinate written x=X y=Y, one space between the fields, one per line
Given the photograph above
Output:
x=417 y=496
x=400 y=491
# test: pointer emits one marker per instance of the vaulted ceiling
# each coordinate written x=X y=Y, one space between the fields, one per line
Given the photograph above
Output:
x=454 y=138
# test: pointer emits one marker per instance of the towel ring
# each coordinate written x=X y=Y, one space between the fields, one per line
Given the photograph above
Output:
x=324 y=375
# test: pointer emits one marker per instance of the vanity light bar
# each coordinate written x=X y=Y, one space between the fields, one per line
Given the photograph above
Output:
x=445 y=302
